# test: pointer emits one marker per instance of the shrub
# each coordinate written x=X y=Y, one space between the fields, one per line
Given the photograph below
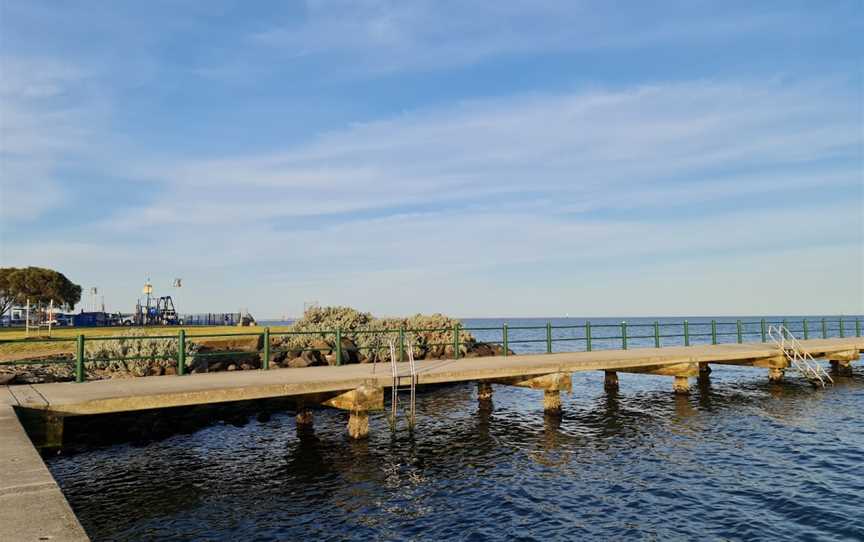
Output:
x=134 y=352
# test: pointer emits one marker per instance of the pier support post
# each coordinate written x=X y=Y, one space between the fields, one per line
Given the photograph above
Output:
x=484 y=392
x=552 y=385
x=841 y=362
x=304 y=416
x=841 y=367
x=775 y=375
x=358 y=424
x=552 y=402
x=681 y=385
x=610 y=381
x=358 y=402
x=680 y=371
x=704 y=371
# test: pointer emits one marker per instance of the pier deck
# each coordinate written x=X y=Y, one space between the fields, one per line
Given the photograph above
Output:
x=118 y=395
x=32 y=507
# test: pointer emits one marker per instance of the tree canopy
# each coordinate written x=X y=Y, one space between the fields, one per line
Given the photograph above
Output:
x=37 y=284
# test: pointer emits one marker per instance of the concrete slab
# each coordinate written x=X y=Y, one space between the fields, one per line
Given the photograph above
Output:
x=32 y=507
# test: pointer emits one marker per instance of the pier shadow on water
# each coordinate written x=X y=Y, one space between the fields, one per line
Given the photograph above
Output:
x=738 y=458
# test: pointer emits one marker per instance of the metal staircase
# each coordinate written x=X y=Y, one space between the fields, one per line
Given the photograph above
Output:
x=798 y=358
x=400 y=386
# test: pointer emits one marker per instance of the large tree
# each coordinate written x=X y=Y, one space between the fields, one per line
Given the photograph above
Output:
x=37 y=284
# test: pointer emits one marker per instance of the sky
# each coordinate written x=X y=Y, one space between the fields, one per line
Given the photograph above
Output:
x=518 y=158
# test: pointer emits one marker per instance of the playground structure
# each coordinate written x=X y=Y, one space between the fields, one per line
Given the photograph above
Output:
x=39 y=319
x=155 y=311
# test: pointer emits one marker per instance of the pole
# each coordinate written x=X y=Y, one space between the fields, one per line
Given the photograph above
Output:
x=79 y=359
x=624 y=335
x=181 y=352
x=402 y=342
x=548 y=337
x=713 y=331
x=738 y=329
x=686 y=333
x=824 y=329
x=762 y=326
x=505 y=339
x=588 y=335
x=656 y=334
x=456 y=341
x=265 y=363
x=338 y=346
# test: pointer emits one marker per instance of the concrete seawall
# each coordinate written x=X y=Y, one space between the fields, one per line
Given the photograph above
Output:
x=32 y=507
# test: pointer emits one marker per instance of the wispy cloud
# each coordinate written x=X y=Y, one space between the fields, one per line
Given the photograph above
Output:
x=48 y=115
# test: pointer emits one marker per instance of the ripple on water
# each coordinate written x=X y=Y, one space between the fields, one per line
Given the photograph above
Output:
x=739 y=459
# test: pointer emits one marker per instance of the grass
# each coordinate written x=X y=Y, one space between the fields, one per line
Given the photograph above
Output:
x=33 y=347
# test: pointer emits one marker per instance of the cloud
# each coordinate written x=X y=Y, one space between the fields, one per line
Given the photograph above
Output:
x=388 y=36
x=588 y=150
x=543 y=189
x=47 y=117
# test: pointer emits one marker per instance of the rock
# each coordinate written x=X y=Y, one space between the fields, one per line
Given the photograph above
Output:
x=330 y=359
x=313 y=357
x=170 y=370
x=6 y=379
x=350 y=353
x=232 y=367
x=322 y=346
x=247 y=366
x=298 y=362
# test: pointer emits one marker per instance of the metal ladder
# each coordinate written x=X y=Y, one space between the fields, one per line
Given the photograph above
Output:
x=801 y=360
x=398 y=386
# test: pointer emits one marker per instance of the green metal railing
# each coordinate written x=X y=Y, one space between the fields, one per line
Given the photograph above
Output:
x=543 y=337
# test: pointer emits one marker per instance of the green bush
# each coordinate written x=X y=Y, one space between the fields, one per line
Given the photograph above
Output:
x=144 y=355
x=429 y=335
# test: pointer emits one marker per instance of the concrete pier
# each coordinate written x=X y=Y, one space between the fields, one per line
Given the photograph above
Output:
x=32 y=507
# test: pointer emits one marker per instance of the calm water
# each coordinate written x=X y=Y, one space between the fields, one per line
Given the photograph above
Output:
x=740 y=459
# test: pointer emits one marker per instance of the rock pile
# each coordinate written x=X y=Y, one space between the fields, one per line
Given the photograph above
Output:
x=366 y=339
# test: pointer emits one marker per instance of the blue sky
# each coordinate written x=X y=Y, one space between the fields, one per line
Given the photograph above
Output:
x=474 y=158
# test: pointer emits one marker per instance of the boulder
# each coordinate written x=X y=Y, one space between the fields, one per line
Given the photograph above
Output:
x=298 y=362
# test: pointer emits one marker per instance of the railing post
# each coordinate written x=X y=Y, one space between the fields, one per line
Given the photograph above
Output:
x=786 y=325
x=181 y=352
x=265 y=363
x=402 y=342
x=505 y=339
x=79 y=359
x=764 y=331
x=548 y=337
x=686 y=333
x=624 y=335
x=824 y=329
x=588 y=335
x=656 y=334
x=842 y=331
x=456 y=341
x=857 y=327
x=713 y=331
x=738 y=328
x=338 y=346
x=806 y=330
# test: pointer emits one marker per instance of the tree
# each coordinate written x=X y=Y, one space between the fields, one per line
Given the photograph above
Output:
x=37 y=284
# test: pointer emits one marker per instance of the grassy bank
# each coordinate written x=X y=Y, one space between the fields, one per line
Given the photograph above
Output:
x=33 y=347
